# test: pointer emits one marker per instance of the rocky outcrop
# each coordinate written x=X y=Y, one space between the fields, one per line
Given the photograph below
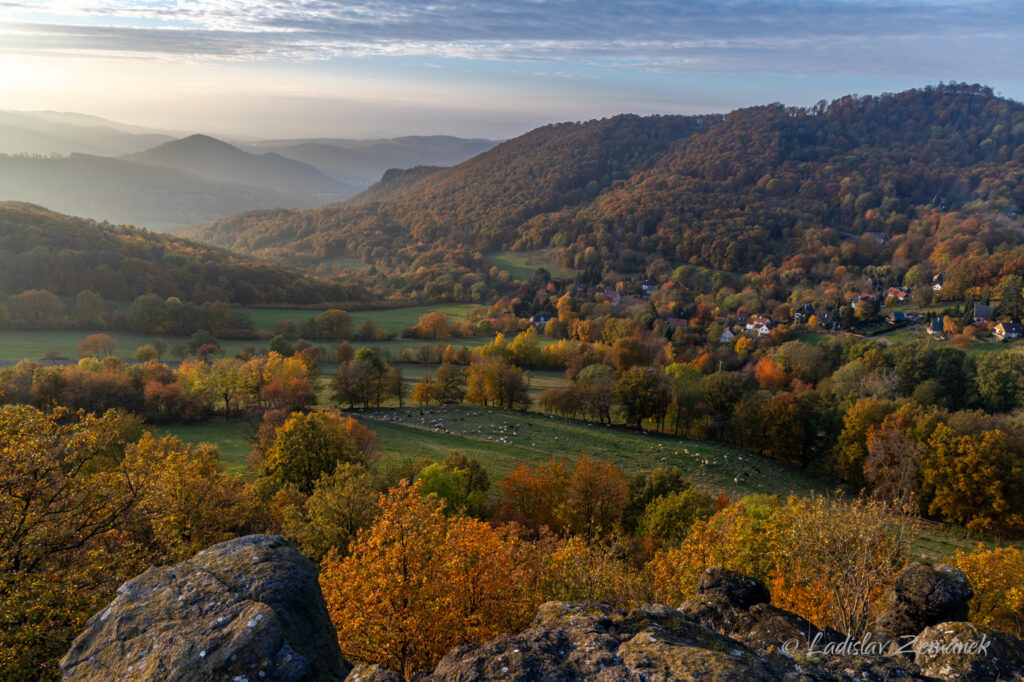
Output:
x=246 y=609
x=251 y=609
x=730 y=631
x=738 y=589
x=965 y=652
x=922 y=596
x=592 y=641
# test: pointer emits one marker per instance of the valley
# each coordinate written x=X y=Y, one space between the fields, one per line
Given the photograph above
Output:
x=614 y=352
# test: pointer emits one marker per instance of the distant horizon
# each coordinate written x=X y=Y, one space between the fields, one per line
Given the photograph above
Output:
x=366 y=69
x=237 y=137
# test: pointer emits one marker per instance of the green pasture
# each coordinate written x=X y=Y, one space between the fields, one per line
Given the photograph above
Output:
x=522 y=264
x=515 y=436
x=393 y=320
x=983 y=344
x=346 y=263
x=230 y=437
x=32 y=345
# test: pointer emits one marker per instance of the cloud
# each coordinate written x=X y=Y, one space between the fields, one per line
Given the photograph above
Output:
x=909 y=38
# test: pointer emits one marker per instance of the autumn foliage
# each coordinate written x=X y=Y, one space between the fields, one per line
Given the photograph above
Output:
x=823 y=559
x=419 y=583
x=997 y=576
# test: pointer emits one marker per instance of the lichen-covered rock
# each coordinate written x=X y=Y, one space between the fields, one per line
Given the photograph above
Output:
x=740 y=590
x=761 y=627
x=922 y=596
x=788 y=642
x=597 y=642
x=966 y=652
x=246 y=609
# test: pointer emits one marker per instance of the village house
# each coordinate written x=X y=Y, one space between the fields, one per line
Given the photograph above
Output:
x=540 y=321
x=727 y=337
x=761 y=326
x=804 y=312
x=677 y=323
x=612 y=297
x=982 y=314
x=1007 y=331
x=935 y=327
x=937 y=281
x=896 y=317
x=863 y=298
x=901 y=294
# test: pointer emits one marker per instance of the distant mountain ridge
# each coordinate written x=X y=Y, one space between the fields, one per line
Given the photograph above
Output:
x=213 y=159
x=363 y=162
x=105 y=170
x=555 y=168
x=122 y=191
x=49 y=132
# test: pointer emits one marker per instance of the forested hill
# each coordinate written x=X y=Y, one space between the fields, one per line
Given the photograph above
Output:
x=556 y=169
x=40 y=249
x=742 y=192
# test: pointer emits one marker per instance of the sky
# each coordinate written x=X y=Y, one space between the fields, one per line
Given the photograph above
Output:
x=482 y=68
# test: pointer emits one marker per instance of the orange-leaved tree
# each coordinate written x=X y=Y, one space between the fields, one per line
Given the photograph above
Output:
x=418 y=583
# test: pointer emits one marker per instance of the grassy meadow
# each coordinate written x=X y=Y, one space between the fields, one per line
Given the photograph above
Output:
x=230 y=437
x=18 y=345
x=394 y=320
x=513 y=436
x=522 y=264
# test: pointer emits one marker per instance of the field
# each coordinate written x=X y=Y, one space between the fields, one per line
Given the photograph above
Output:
x=228 y=436
x=501 y=439
x=977 y=346
x=540 y=379
x=394 y=320
x=509 y=437
x=32 y=345
x=522 y=264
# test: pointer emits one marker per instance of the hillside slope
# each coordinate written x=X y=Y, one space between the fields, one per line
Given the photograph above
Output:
x=751 y=190
x=41 y=249
x=556 y=168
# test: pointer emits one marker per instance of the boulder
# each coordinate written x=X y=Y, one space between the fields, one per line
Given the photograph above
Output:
x=762 y=627
x=922 y=596
x=787 y=641
x=965 y=652
x=741 y=591
x=246 y=609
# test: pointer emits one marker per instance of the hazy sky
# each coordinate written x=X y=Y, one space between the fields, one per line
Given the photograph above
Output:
x=493 y=68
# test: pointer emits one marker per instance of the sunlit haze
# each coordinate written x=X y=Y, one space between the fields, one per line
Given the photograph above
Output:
x=381 y=67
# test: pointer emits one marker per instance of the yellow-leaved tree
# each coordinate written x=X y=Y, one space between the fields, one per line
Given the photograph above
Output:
x=824 y=559
x=997 y=576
